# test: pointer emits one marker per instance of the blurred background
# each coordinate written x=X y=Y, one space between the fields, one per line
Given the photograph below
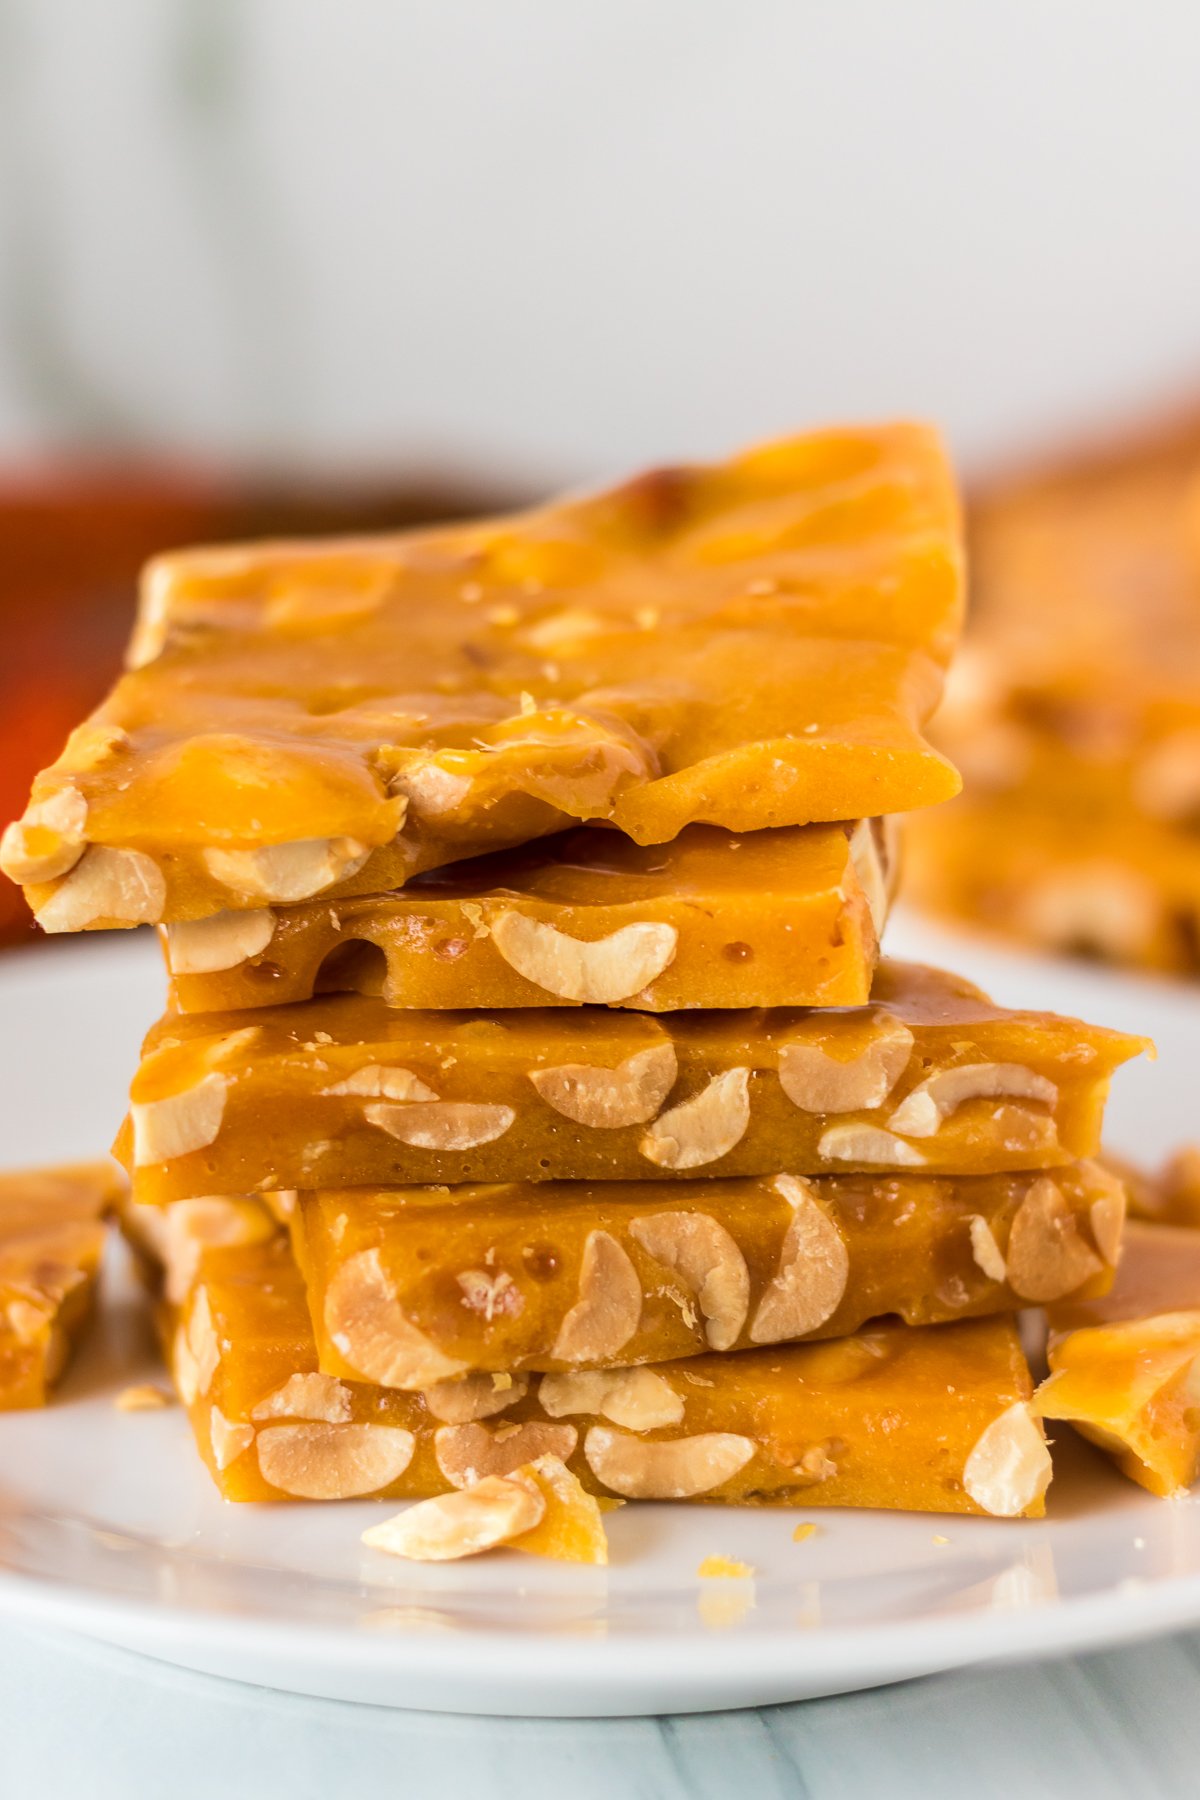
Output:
x=293 y=265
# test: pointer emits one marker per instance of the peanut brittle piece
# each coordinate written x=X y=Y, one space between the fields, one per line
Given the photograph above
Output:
x=1074 y=710
x=412 y=1286
x=924 y=1420
x=346 y=1091
x=788 y=917
x=169 y=1241
x=752 y=643
x=540 y=1508
x=1168 y=1195
x=51 y=1240
x=1125 y=1368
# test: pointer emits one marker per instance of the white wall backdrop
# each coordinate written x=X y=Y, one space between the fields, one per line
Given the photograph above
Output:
x=561 y=236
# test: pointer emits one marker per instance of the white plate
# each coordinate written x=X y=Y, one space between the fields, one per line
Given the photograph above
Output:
x=109 y=1525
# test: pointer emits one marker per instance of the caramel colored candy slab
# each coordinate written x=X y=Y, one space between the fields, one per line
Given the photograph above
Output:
x=1063 y=864
x=411 y=1286
x=1074 y=712
x=51 y=1239
x=1125 y=1369
x=752 y=643
x=790 y=917
x=1083 y=569
x=932 y=1420
x=348 y=1092
x=1169 y=1195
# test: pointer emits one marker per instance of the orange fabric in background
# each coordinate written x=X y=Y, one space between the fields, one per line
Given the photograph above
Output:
x=72 y=541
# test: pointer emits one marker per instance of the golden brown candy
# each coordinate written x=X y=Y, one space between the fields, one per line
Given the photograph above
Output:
x=1063 y=865
x=929 y=1420
x=413 y=1286
x=752 y=643
x=348 y=1092
x=789 y=917
x=51 y=1239
x=540 y=1508
x=1075 y=711
x=1125 y=1368
x=169 y=1241
x=1169 y=1195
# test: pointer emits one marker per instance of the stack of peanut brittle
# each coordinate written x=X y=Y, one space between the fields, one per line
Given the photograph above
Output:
x=533 y=1120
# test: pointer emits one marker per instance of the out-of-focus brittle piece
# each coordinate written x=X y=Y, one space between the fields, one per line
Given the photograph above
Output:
x=51 y=1239
x=1074 y=710
x=1125 y=1367
x=787 y=917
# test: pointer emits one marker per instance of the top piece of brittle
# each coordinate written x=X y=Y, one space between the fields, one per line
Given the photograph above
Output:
x=751 y=644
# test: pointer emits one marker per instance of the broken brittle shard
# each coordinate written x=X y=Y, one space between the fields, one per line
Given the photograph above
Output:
x=1125 y=1367
x=51 y=1240
x=751 y=644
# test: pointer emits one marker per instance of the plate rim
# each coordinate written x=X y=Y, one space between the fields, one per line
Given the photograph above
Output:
x=552 y=1667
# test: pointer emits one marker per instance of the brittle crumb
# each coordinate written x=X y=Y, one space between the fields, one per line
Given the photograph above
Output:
x=145 y=1397
x=715 y=1567
x=805 y=1531
x=938 y=1539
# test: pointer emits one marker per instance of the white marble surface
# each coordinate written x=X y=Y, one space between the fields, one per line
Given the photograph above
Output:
x=82 y=1722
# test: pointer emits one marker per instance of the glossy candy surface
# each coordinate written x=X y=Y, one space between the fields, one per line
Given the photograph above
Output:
x=752 y=643
x=934 y=1420
x=345 y=1091
x=772 y=918
x=408 y=1286
x=1125 y=1368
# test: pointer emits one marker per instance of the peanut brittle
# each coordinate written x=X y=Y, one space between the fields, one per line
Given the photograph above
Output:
x=1075 y=711
x=1064 y=865
x=754 y=643
x=51 y=1239
x=409 y=1286
x=540 y=1508
x=789 y=918
x=1125 y=1368
x=1169 y=1195
x=169 y=1241
x=346 y=1092
x=927 y=1420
